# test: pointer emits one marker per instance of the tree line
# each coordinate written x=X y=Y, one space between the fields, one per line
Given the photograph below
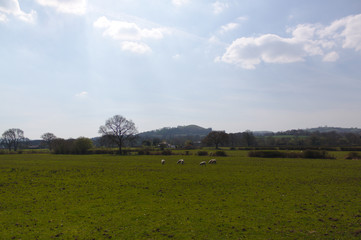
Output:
x=119 y=132
x=284 y=139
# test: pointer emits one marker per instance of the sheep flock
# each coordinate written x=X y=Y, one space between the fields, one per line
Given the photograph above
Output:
x=203 y=163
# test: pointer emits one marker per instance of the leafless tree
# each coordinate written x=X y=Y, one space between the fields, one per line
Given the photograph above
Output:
x=12 y=138
x=118 y=130
x=48 y=139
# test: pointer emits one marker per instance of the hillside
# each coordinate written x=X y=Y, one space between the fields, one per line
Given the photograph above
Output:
x=180 y=131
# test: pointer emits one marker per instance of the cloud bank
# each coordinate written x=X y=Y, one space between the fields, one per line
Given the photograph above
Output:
x=306 y=40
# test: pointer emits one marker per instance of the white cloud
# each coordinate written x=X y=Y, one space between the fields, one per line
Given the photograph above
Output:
x=229 y=27
x=219 y=7
x=352 y=32
x=3 y=18
x=77 y=7
x=176 y=57
x=248 y=52
x=130 y=34
x=135 y=47
x=331 y=57
x=213 y=39
x=346 y=30
x=306 y=40
x=12 y=7
x=180 y=2
x=81 y=94
x=242 y=18
x=303 y=31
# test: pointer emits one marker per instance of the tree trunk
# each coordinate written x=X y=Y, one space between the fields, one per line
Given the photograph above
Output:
x=120 y=149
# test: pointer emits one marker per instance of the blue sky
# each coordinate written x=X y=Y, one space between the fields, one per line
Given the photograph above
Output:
x=67 y=66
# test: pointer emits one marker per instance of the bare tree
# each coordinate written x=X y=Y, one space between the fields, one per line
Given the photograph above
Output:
x=48 y=139
x=118 y=130
x=12 y=137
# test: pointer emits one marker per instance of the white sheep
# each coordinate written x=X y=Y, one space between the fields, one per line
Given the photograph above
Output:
x=212 y=161
x=162 y=161
x=180 y=161
x=202 y=163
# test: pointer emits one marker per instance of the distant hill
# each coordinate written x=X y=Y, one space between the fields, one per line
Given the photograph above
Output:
x=309 y=131
x=180 y=131
x=333 y=129
x=262 y=133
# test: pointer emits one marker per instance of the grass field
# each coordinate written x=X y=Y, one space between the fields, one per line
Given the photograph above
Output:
x=135 y=197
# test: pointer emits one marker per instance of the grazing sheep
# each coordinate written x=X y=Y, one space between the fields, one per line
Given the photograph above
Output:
x=202 y=163
x=162 y=161
x=212 y=161
x=180 y=161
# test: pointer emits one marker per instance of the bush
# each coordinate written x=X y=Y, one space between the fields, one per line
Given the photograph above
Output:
x=126 y=152
x=220 y=154
x=62 y=146
x=353 y=155
x=82 y=145
x=350 y=148
x=143 y=152
x=102 y=151
x=315 y=154
x=267 y=154
x=294 y=154
x=166 y=152
x=202 y=153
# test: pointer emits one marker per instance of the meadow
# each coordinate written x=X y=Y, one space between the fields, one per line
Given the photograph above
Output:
x=45 y=196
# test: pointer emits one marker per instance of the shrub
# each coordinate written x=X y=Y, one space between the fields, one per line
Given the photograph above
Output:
x=220 y=153
x=315 y=154
x=350 y=148
x=294 y=154
x=102 y=151
x=167 y=152
x=143 y=152
x=82 y=145
x=267 y=154
x=305 y=154
x=126 y=152
x=353 y=155
x=62 y=146
x=202 y=153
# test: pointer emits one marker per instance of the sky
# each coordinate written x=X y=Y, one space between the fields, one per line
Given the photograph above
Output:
x=234 y=65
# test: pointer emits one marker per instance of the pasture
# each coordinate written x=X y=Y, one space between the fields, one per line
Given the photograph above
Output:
x=46 y=196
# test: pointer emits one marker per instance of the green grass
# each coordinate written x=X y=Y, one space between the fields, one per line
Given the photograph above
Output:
x=135 y=197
